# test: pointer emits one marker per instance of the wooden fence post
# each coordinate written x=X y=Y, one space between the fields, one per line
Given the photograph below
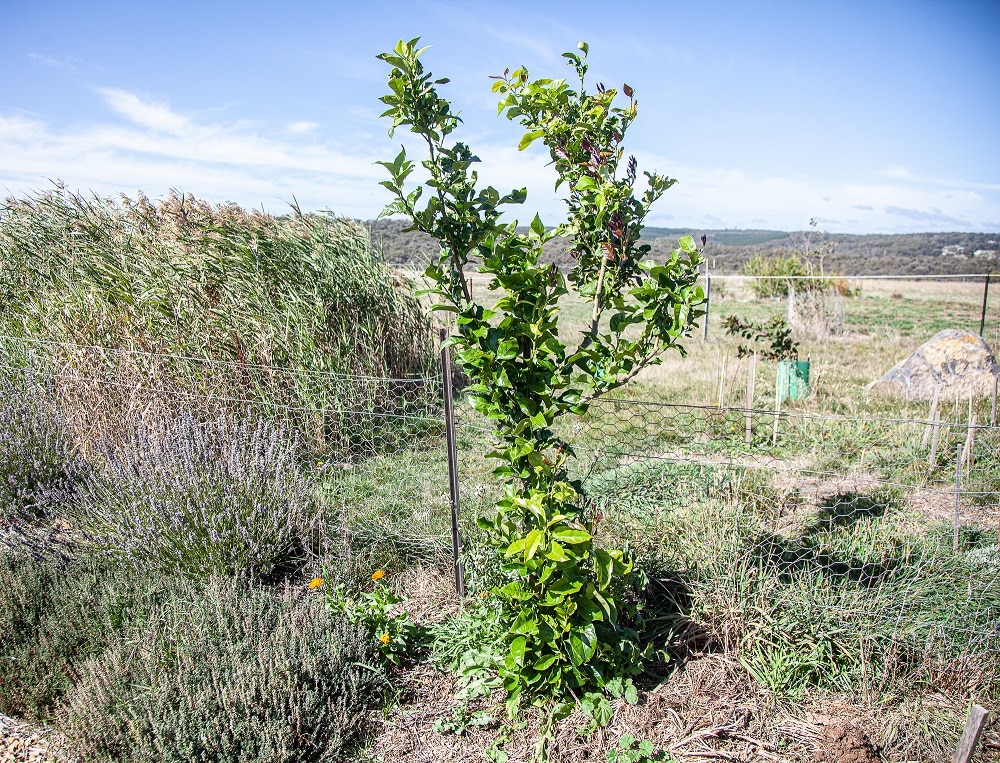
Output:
x=958 y=496
x=777 y=416
x=978 y=715
x=986 y=294
x=970 y=443
x=750 y=385
x=932 y=458
x=993 y=403
x=930 y=418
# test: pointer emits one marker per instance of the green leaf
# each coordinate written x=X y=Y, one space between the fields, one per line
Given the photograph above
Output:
x=528 y=138
x=537 y=227
x=556 y=553
x=517 y=649
x=532 y=542
x=545 y=663
x=572 y=536
x=582 y=643
x=632 y=696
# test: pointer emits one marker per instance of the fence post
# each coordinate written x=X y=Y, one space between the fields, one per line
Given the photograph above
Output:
x=970 y=443
x=449 y=428
x=986 y=293
x=708 y=304
x=958 y=496
x=978 y=715
x=931 y=417
x=993 y=403
x=752 y=378
x=932 y=457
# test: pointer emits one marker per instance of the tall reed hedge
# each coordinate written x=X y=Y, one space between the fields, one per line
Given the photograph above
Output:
x=184 y=276
x=202 y=299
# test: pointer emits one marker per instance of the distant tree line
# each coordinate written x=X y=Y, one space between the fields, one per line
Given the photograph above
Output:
x=727 y=251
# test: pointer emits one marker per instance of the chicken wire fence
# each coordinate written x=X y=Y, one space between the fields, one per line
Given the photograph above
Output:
x=893 y=519
x=102 y=390
x=812 y=529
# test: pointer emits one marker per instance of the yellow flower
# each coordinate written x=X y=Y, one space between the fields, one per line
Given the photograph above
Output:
x=384 y=638
x=315 y=583
x=378 y=574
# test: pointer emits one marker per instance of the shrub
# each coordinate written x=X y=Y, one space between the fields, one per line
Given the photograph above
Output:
x=563 y=635
x=218 y=498
x=54 y=614
x=227 y=673
x=38 y=463
x=778 y=274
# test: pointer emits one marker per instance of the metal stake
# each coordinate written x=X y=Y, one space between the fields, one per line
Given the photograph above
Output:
x=986 y=293
x=708 y=305
x=449 y=428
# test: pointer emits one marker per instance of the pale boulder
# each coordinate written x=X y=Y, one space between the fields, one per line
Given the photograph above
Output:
x=959 y=361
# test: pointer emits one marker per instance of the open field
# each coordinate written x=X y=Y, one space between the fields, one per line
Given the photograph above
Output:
x=810 y=596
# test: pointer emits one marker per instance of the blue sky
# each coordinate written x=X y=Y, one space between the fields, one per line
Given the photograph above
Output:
x=868 y=116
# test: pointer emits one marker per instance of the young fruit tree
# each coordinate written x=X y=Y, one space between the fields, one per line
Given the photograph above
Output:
x=564 y=637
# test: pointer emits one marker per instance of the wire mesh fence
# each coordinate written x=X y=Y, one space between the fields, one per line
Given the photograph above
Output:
x=791 y=536
x=345 y=417
x=812 y=542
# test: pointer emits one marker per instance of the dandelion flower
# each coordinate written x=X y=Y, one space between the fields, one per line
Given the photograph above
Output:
x=315 y=583
x=384 y=638
x=378 y=574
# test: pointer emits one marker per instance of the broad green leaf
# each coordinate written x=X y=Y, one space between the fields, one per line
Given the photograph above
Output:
x=528 y=138
x=556 y=552
x=572 y=536
x=517 y=649
x=532 y=542
x=582 y=643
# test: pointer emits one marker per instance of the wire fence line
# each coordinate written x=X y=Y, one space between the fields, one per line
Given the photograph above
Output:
x=898 y=526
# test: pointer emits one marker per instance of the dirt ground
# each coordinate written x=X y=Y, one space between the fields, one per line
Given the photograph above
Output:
x=708 y=709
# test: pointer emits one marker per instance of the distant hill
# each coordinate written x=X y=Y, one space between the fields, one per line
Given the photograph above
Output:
x=727 y=250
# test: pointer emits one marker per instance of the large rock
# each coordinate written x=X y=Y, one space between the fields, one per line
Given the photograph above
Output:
x=959 y=361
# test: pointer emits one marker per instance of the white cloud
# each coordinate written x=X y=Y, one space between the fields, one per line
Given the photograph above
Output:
x=156 y=116
x=153 y=148
x=148 y=145
x=299 y=128
x=47 y=61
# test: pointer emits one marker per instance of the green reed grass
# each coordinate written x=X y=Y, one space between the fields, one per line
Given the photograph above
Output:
x=176 y=287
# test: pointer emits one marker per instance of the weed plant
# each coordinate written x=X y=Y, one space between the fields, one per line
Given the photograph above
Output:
x=226 y=672
x=217 y=498
x=849 y=595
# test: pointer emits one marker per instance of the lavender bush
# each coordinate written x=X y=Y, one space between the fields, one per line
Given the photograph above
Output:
x=218 y=498
x=227 y=672
x=39 y=467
